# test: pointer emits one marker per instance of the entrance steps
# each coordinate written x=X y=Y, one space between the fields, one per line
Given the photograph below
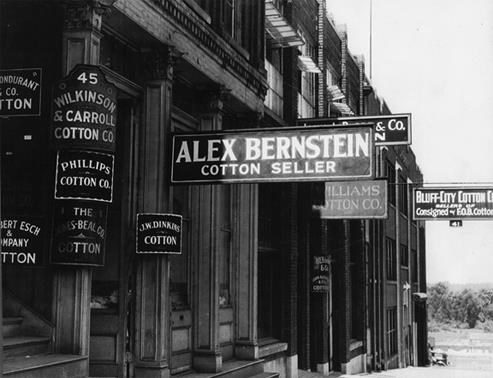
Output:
x=234 y=369
x=27 y=347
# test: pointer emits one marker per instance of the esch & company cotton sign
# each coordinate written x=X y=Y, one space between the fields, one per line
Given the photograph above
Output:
x=285 y=154
x=84 y=111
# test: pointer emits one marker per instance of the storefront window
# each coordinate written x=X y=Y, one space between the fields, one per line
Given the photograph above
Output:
x=179 y=264
x=224 y=245
x=269 y=264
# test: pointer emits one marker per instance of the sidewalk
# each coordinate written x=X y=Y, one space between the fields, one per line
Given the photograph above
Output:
x=409 y=372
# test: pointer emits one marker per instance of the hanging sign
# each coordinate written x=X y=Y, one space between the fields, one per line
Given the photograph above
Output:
x=84 y=111
x=20 y=92
x=358 y=199
x=84 y=175
x=392 y=129
x=455 y=223
x=321 y=274
x=159 y=233
x=22 y=241
x=79 y=233
x=453 y=203
x=283 y=154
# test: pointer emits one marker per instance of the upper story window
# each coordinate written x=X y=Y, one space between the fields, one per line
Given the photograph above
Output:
x=390 y=173
x=403 y=195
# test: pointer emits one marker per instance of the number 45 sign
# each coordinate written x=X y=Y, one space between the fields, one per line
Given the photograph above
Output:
x=84 y=111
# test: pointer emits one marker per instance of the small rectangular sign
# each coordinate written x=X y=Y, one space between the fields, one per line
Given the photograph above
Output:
x=22 y=241
x=20 y=92
x=392 y=129
x=281 y=155
x=455 y=223
x=84 y=175
x=453 y=203
x=79 y=233
x=159 y=233
x=321 y=274
x=358 y=199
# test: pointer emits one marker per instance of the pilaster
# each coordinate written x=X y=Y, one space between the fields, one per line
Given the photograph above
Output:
x=72 y=286
x=206 y=355
x=245 y=247
x=152 y=307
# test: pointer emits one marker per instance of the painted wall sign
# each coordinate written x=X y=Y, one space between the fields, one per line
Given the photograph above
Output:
x=284 y=154
x=84 y=111
x=20 y=92
x=453 y=203
x=358 y=199
x=22 y=241
x=159 y=233
x=321 y=274
x=84 y=175
x=393 y=129
x=79 y=233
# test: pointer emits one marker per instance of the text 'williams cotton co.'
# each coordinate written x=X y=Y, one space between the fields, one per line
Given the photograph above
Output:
x=285 y=154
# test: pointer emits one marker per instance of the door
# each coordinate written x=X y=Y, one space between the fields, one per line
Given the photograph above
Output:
x=110 y=297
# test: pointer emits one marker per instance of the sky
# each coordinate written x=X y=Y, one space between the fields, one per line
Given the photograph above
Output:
x=434 y=59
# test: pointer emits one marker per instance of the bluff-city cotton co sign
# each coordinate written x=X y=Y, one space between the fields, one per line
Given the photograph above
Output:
x=453 y=203
x=285 y=154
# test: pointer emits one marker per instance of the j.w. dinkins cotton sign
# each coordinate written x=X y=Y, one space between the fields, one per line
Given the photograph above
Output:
x=284 y=154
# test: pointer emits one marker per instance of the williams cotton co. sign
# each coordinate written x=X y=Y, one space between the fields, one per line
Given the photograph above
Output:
x=453 y=203
x=285 y=154
x=358 y=199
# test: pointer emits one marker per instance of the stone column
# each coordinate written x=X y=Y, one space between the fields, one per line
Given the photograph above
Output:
x=72 y=285
x=245 y=252
x=152 y=306
x=206 y=354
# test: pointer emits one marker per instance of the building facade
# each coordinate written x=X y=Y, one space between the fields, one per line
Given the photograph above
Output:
x=238 y=299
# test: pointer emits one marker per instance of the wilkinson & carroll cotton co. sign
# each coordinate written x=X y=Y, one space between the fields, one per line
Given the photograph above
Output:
x=284 y=154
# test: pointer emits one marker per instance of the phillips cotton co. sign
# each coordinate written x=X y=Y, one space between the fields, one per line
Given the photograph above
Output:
x=284 y=154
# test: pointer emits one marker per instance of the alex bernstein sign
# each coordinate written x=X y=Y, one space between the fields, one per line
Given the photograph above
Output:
x=453 y=203
x=354 y=200
x=392 y=129
x=284 y=154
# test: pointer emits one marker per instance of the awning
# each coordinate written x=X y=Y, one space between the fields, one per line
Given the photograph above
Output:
x=420 y=296
x=279 y=29
x=342 y=108
x=335 y=93
x=306 y=63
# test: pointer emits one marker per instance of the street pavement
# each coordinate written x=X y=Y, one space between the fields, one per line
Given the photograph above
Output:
x=411 y=372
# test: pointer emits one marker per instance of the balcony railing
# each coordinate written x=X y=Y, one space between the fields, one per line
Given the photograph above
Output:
x=274 y=97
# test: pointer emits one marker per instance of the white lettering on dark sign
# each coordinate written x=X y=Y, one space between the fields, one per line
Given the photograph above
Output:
x=288 y=154
x=21 y=241
x=20 y=92
x=453 y=203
